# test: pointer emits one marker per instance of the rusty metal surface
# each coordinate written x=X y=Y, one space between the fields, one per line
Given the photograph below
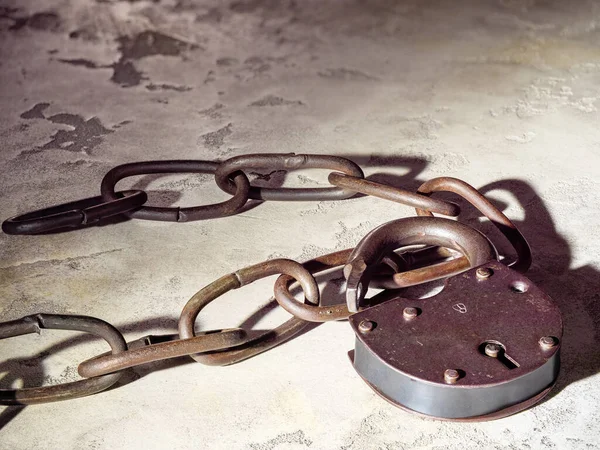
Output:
x=504 y=94
x=74 y=214
x=312 y=313
x=497 y=217
x=254 y=346
x=240 y=182
x=392 y=193
x=65 y=391
x=421 y=275
x=236 y=280
x=409 y=231
x=415 y=259
x=289 y=161
x=308 y=312
x=208 y=341
x=448 y=333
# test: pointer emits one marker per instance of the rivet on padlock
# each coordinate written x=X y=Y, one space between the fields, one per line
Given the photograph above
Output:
x=478 y=350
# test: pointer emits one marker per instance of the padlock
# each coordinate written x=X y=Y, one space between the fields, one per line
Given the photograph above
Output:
x=485 y=347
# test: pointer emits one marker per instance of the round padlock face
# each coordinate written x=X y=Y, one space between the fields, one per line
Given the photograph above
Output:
x=485 y=347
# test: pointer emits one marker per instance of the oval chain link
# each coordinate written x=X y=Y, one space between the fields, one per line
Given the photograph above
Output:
x=487 y=208
x=393 y=194
x=289 y=161
x=64 y=391
x=74 y=214
x=236 y=280
x=176 y=214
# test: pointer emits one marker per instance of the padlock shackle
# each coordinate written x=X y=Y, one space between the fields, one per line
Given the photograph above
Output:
x=410 y=231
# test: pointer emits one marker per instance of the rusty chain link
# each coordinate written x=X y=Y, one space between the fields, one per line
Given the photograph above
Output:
x=64 y=391
x=451 y=248
x=497 y=217
x=289 y=161
x=392 y=193
x=241 y=278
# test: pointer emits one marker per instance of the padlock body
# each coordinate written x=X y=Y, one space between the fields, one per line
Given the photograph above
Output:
x=406 y=358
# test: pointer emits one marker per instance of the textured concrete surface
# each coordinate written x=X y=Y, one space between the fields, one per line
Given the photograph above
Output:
x=502 y=93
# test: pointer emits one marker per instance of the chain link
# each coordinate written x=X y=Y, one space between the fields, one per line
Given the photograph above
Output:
x=289 y=161
x=241 y=278
x=497 y=217
x=74 y=214
x=64 y=391
x=151 y=352
x=241 y=186
x=393 y=194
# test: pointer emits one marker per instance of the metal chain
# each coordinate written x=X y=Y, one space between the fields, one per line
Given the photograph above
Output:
x=452 y=248
x=230 y=177
x=241 y=187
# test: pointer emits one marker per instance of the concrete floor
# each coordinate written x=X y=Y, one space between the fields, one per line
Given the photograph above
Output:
x=502 y=93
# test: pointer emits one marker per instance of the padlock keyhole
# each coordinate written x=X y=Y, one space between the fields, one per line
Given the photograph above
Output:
x=497 y=350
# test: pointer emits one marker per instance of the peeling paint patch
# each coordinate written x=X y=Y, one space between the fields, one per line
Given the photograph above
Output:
x=151 y=43
x=84 y=33
x=81 y=62
x=346 y=75
x=66 y=119
x=48 y=21
x=215 y=139
x=83 y=138
x=45 y=21
x=167 y=87
x=37 y=112
x=297 y=437
x=214 y=112
x=125 y=74
x=273 y=100
x=142 y=45
x=85 y=135
x=120 y=124
x=147 y=43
